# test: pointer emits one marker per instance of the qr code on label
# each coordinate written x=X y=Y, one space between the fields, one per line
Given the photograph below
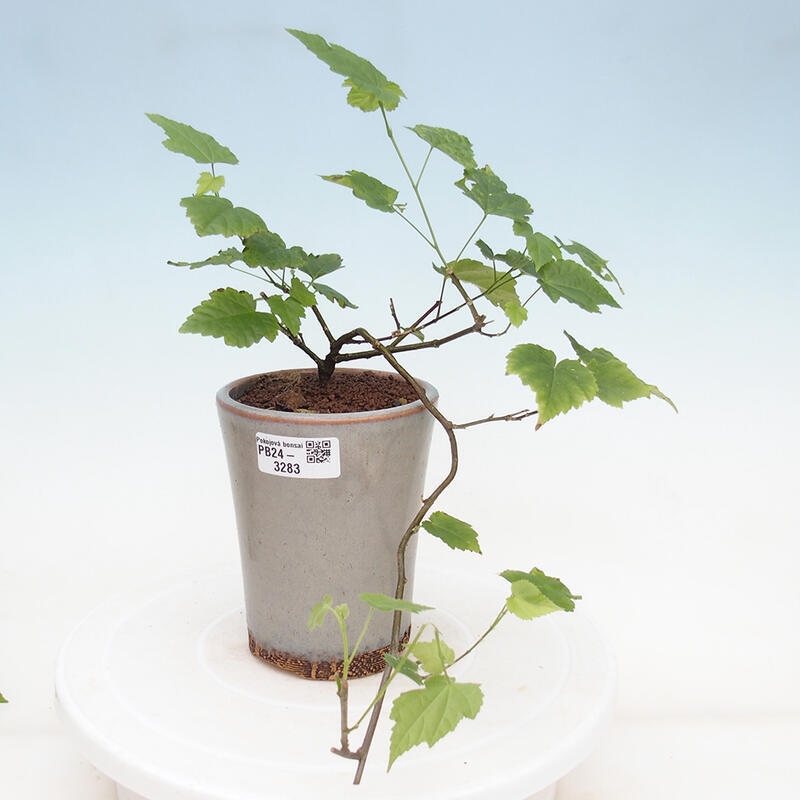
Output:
x=318 y=451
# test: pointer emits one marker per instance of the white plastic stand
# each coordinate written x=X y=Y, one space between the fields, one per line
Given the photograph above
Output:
x=163 y=696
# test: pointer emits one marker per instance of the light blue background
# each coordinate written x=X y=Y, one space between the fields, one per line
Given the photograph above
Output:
x=664 y=136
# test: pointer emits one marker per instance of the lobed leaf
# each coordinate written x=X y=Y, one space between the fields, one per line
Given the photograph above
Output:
x=452 y=144
x=266 y=249
x=434 y=657
x=317 y=615
x=288 y=311
x=457 y=535
x=209 y=183
x=183 y=139
x=226 y=257
x=369 y=87
x=593 y=261
x=526 y=601
x=426 y=715
x=299 y=292
x=575 y=283
x=404 y=666
x=333 y=295
x=487 y=190
x=317 y=266
x=383 y=602
x=486 y=251
x=541 y=249
x=552 y=588
x=616 y=383
x=559 y=387
x=375 y=194
x=499 y=288
x=516 y=260
x=217 y=215
x=231 y=315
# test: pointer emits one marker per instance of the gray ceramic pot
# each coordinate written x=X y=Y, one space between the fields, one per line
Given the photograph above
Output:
x=321 y=502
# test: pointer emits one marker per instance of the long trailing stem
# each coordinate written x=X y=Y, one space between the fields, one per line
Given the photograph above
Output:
x=410 y=532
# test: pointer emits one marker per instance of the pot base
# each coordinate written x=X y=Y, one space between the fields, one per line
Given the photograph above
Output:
x=362 y=665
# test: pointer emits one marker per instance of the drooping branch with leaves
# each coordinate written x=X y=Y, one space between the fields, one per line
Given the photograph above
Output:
x=471 y=284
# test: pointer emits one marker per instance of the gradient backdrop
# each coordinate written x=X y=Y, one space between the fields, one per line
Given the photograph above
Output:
x=664 y=136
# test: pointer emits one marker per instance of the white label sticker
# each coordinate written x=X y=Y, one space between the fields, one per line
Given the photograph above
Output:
x=293 y=457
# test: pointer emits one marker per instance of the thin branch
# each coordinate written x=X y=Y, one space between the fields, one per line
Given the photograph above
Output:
x=494 y=624
x=323 y=324
x=406 y=348
x=398 y=326
x=414 y=327
x=516 y=416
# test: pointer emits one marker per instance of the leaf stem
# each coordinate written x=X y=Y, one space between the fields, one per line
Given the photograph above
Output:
x=494 y=624
x=433 y=240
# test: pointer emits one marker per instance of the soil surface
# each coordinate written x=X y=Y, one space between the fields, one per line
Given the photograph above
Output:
x=345 y=392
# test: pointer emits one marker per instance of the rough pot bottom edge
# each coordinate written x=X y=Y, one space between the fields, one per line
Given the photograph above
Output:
x=362 y=665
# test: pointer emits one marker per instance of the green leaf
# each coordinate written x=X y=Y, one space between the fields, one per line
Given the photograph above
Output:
x=375 y=194
x=369 y=87
x=542 y=249
x=288 y=311
x=184 y=139
x=456 y=534
x=499 y=287
x=317 y=615
x=452 y=144
x=434 y=657
x=217 y=215
x=266 y=249
x=552 y=588
x=404 y=667
x=209 y=183
x=301 y=293
x=333 y=295
x=593 y=261
x=573 y=282
x=231 y=315
x=559 y=387
x=616 y=383
x=426 y=715
x=516 y=260
x=484 y=187
x=527 y=601
x=486 y=251
x=226 y=257
x=382 y=602
x=2 y=699
x=317 y=266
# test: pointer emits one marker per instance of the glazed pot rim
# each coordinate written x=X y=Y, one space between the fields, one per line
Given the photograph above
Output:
x=233 y=406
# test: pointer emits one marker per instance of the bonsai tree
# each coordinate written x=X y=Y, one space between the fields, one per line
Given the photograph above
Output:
x=471 y=286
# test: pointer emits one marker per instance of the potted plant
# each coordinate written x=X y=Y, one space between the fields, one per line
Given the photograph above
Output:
x=292 y=446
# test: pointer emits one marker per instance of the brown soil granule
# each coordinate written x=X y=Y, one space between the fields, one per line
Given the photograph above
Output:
x=345 y=392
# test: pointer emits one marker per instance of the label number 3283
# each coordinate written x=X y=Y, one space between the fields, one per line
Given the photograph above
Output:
x=287 y=468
